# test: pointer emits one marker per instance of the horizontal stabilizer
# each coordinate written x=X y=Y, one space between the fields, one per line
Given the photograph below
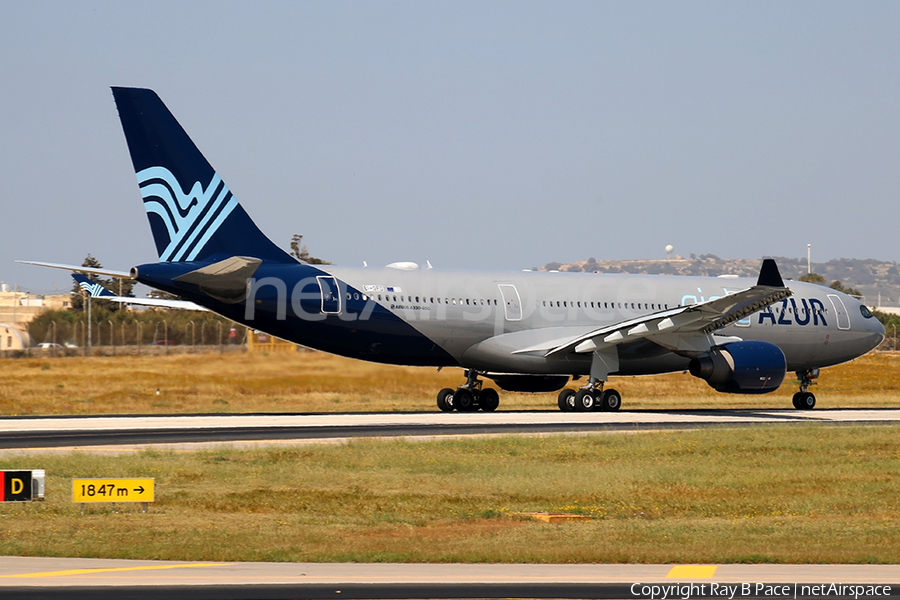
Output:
x=77 y=269
x=225 y=280
x=158 y=303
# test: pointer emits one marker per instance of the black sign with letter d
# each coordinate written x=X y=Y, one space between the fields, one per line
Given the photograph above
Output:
x=16 y=486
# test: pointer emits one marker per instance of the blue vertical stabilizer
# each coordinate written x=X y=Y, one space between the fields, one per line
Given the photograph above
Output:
x=192 y=213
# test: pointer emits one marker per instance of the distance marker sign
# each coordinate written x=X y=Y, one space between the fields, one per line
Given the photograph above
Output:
x=112 y=490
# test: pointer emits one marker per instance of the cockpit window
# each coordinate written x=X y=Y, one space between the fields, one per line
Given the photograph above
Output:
x=865 y=312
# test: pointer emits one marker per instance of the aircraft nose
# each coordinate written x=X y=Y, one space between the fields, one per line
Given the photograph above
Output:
x=877 y=329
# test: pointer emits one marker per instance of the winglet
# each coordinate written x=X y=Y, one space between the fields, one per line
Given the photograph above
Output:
x=769 y=275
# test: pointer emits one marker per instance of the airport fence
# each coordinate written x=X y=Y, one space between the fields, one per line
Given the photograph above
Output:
x=110 y=337
x=135 y=338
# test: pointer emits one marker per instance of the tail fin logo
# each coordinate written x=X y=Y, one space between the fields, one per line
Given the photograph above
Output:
x=191 y=218
x=94 y=290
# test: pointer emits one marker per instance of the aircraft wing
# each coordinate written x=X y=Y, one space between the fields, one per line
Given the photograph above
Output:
x=688 y=329
x=77 y=269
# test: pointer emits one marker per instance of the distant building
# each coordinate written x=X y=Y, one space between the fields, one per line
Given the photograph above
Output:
x=19 y=308
x=12 y=338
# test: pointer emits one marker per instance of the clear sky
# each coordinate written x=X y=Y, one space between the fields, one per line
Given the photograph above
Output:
x=499 y=135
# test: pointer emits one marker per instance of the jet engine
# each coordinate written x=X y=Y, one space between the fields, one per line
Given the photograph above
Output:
x=750 y=367
x=530 y=383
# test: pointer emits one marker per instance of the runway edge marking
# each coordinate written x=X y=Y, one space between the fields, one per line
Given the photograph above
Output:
x=113 y=570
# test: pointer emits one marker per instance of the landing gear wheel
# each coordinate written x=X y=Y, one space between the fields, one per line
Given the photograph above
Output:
x=610 y=401
x=489 y=400
x=804 y=400
x=445 y=400
x=464 y=400
x=585 y=400
x=566 y=400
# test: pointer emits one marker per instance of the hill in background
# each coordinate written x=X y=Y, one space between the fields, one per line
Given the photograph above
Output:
x=871 y=277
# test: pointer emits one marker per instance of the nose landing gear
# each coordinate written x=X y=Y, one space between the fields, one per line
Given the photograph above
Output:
x=469 y=397
x=804 y=399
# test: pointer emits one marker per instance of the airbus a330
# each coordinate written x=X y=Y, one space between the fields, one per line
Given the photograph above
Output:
x=525 y=331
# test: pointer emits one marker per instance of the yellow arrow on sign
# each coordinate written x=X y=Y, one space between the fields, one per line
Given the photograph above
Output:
x=113 y=490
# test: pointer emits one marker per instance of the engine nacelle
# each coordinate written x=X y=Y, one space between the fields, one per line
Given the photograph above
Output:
x=742 y=367
x=530 y=383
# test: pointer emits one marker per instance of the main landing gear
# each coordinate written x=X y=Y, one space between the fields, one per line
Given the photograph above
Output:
x=469 y=397
x=589 y=398
x=804 y=399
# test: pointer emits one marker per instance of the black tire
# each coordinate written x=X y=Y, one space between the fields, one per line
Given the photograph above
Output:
x=464 y=400
x=566 y=400
x=445 y=400
x=796 y=400
x=806 y=401
x=489 y=400
x=585 y=400
x=610 y=401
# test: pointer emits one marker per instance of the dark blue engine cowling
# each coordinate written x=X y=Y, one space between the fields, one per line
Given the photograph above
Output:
x=742 y=367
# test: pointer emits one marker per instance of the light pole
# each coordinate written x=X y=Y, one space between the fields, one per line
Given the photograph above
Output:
x=89 y=321
x=808 y=256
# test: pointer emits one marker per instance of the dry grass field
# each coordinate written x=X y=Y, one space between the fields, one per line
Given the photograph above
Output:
x=793 y=494
x=783 y=494
x=317 y=382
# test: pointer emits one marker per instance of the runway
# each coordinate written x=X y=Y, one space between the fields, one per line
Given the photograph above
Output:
x=96 y=578
x=25 y=577
x=94 y=431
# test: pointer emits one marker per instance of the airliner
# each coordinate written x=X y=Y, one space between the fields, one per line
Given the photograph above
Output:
x=525 y=331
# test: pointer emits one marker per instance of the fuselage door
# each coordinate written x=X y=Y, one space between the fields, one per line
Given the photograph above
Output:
x=843 y=319
x=331 y=295
x=512 y=304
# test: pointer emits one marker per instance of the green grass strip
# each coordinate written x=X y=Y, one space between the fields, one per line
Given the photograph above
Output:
x=792 y=494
